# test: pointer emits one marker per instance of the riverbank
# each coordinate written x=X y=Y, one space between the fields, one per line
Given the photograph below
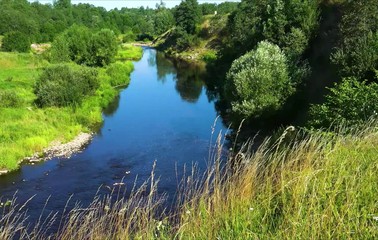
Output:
x=26 y=129
x=308 y=185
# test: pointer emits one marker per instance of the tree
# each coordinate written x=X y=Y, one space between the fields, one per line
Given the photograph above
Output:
x=350 y=102
x=187 y=15
x=16 y=42
x=80 y=45
x=357 y=53
x=258 y=82
x=103 y=48
x=277 y=21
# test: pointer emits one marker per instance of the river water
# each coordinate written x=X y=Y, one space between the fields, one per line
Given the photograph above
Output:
x=164 y=115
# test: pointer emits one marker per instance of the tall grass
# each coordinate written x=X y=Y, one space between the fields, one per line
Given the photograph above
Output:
x=304 y=186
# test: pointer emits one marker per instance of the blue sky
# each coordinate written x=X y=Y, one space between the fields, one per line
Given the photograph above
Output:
x=110 y=4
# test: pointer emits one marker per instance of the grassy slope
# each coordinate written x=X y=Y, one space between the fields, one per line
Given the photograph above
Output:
x=210 y=33
x=26 y=129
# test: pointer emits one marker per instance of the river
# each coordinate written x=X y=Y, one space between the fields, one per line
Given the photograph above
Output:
x=164 y=115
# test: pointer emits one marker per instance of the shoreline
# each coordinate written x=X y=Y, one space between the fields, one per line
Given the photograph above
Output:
x=57 y=150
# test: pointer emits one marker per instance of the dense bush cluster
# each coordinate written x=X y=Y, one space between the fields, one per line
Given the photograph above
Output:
x=9 y=98
x=64 y=85
x=350 y=102
x=119 y=73
x=16 y=42
x=82 y=46
x=258 y=82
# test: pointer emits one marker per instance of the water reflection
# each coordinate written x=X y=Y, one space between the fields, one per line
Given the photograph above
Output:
x=189 y=81
x=112 y=107
x=164 y=66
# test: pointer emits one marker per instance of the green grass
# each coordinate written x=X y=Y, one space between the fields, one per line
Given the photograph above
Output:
x=27 y=129
x=129 y=52
x=301 y=186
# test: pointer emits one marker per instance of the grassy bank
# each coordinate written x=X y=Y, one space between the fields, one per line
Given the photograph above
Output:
x=26 y=129
x=309 y=187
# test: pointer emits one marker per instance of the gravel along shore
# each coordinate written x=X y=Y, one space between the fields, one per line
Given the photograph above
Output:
x=58 y=149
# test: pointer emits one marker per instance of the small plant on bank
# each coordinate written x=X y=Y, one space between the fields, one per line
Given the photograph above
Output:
x=10 y=99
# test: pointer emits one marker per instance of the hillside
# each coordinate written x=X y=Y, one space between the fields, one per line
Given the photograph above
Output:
x=204 y=45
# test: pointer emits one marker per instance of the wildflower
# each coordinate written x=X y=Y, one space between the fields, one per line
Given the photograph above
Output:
x=375 y=218
x=251 y=209
x=187 y=212
x=106 y=208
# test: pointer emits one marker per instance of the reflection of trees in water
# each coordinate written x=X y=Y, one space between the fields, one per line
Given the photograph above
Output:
x=112 y=107
x=189 y=81
x=151 y=60
x=164 y=66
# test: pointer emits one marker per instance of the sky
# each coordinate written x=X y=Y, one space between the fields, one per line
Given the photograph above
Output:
x=111 y=4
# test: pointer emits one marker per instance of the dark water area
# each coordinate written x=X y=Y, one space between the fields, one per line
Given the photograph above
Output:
x=164 y=115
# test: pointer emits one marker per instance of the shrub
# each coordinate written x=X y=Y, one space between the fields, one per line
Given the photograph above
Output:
x=9 y=98
x=119 y=73
x=258 y=82
x=128 y=37
x=78 y=44
x=350 y=102
x=16 y=42
x=103 y=48
x=63 y=85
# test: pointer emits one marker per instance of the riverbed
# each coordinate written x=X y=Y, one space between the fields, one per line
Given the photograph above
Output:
x=165 y=116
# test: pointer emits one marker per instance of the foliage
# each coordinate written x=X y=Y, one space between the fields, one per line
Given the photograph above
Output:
x=258 y=82
x=83 y=47
x=62 y=85
x=187 y=15
x=16 y=41
x=10 y=99
x=278 y=21
x=163 y=20
x=357 y=53
x=103 y=48
x=350 y=102
x=119 y=73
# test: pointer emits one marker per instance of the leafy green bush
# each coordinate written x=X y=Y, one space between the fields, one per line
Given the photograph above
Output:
x=357 y=52
x=63 y=85
x=78 y=44
x=128 y=37
x=183 y=39
x=350 y=102
x=119 y=73
x=258 y=82
x=103 y=48
x=9 y=98
x=16 y=42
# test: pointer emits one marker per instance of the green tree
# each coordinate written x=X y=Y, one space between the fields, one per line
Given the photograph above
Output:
x=187 y=15
x=350 y=102
x=103 y=48
x=16 y=42
x=258 y=82
x=277 y=21
x=357 y=54
x=80 y=45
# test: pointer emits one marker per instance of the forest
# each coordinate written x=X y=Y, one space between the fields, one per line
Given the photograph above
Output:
x=302 y=75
